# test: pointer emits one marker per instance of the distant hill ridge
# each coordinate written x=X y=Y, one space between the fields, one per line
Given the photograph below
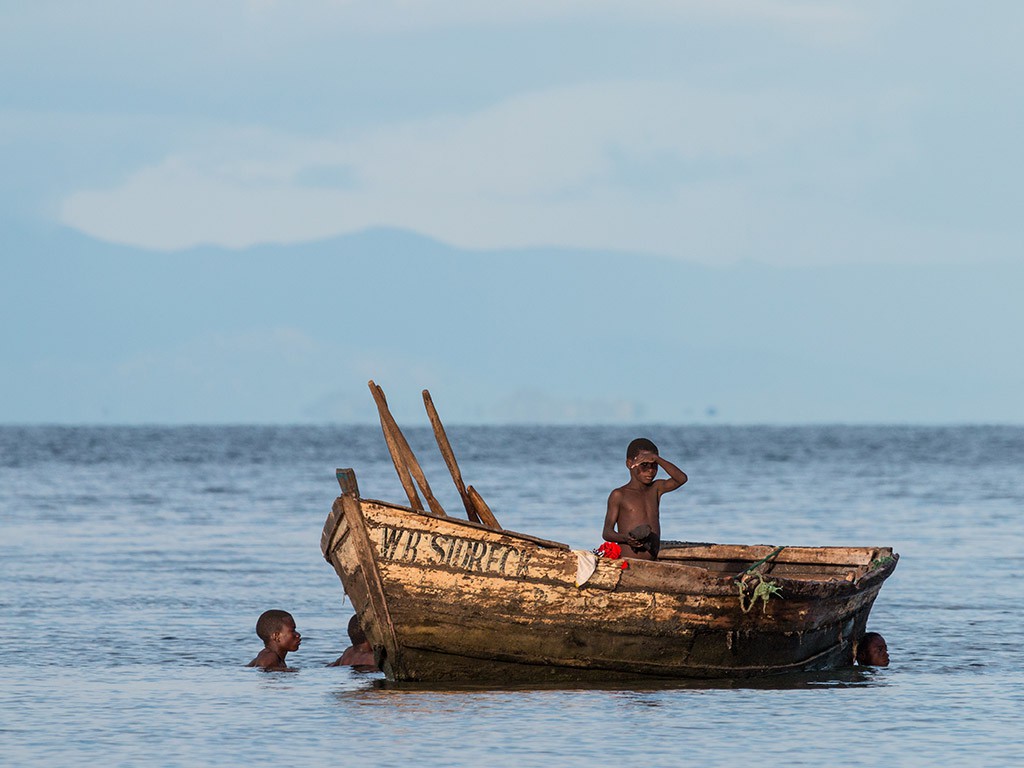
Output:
x=548 y=335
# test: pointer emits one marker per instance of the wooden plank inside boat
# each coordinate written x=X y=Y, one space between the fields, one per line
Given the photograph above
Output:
x=845 y=556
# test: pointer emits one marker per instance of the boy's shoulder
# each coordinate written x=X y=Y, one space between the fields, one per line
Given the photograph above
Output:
x=616 y=492
x=265 y=658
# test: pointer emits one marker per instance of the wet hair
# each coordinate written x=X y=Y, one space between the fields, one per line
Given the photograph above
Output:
x=865 y=644
x=270 y=622
x=640 y=444
x=355 y=630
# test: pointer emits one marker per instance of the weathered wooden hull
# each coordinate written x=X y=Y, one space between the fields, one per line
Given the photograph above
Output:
x=448 y=600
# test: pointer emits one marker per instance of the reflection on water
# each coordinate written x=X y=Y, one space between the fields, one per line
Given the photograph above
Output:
x=838 y=678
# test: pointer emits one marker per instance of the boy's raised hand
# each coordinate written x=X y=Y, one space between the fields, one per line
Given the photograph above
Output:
x=644 y=457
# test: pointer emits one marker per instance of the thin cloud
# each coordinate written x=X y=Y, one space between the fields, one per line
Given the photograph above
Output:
x=657 y=166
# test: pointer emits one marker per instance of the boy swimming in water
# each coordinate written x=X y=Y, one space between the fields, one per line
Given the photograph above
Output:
x=360 y=653
x=633 y=517
x=277 y=631
x=872 y=651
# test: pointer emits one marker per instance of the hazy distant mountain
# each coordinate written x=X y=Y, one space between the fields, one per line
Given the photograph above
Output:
x=99 y=332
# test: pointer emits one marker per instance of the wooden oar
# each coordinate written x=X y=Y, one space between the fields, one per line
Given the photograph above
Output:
x=482 y=509
x=395 y=450
x=405 y=451
x=449 y=456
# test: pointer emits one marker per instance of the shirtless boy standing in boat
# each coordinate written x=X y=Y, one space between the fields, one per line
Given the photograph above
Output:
x=633 y=517
x=277 y=631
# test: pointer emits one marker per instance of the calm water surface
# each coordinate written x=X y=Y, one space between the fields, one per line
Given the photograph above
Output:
x=134 y=562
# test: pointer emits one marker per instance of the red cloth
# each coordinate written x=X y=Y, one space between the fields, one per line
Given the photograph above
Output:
x=610 y=550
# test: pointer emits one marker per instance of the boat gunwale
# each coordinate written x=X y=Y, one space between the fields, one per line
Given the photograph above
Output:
x=547 y=543
x=797 y=585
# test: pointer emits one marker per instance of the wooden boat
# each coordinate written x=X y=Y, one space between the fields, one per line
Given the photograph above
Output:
x=445 y=599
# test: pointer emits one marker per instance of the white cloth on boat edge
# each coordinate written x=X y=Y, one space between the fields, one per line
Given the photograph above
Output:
x=586 y=564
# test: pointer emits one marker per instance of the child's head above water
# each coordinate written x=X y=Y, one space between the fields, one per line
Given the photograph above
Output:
x=872 y=651
x=355 y=630
x=274 y=622
x=277 y=631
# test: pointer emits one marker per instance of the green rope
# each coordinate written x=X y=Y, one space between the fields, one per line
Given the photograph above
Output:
x=767 y=557
x=764 y=590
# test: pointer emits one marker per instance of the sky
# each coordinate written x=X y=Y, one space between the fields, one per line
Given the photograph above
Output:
x=722 y=135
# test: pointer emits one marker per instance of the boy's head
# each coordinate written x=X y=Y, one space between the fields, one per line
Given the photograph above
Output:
x=872 y=651
x=638 y=446
x=640 y=460
x=355 y=631
x=278 y=627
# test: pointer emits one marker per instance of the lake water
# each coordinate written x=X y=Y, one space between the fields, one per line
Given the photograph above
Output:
x=135 y=561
